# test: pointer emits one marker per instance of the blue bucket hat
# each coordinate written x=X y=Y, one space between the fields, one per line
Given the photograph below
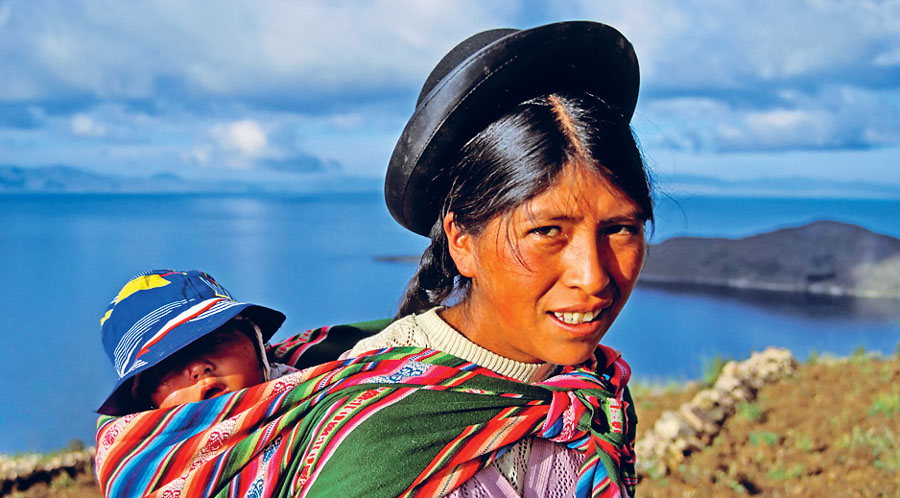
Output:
x=158 y=313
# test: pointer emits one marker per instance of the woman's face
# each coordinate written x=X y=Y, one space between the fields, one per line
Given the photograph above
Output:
x=548 y=280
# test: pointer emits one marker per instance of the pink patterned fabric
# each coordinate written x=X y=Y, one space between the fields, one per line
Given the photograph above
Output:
x=552 y=473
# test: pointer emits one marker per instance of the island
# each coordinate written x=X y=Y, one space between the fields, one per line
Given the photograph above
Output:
x=822 y=257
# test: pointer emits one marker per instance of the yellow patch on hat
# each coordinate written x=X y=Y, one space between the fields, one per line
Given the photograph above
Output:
x=105 y=317
x=145 y=282
x=141 y=283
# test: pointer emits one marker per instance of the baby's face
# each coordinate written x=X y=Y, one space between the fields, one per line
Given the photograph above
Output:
x=221 y=362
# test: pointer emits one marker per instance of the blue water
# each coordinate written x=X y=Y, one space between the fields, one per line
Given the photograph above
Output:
x=64 y=257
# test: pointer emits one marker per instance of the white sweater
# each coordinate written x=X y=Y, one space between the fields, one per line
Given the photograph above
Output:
x=429 y=330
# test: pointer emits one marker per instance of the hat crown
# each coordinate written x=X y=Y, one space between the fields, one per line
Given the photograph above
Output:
x=487 y=75
x=146 y=305
x=462 y=51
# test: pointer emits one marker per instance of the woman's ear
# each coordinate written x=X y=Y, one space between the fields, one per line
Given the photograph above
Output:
x=460 y=246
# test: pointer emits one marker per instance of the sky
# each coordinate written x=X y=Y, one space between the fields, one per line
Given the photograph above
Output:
x=294 y=91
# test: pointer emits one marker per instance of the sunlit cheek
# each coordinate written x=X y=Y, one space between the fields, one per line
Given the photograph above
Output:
x=629 y=259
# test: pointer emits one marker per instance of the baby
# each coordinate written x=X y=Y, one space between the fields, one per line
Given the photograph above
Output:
x=178 y=337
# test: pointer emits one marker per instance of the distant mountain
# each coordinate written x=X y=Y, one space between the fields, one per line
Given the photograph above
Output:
x=776 y=187
x=823 y=257
x=68 y=179
x=52 y=179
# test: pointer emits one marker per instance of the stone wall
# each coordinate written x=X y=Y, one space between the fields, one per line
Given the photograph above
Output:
x=20 y=472
x=676 y=434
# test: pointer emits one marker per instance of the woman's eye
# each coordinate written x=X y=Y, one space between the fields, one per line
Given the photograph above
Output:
x=547 y=231
x=623 y=229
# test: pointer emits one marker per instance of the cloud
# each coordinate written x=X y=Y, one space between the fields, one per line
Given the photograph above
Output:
x=245 y=137
x=111 y=50
x=106 y=49
x=888 y=58
x=832 y=118
x=238 y=144
x=272 y=145
x=199 y=154
x=83 y=125
x=276 y=85
x=20 y=116
x=693 y=46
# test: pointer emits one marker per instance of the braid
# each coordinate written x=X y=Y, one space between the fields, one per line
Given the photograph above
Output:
x=435 y=279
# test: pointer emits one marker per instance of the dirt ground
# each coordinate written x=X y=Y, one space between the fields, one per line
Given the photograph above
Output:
x=832 y=429
x=80 y=486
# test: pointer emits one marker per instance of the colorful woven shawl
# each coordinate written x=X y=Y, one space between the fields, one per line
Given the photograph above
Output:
x=395 y=422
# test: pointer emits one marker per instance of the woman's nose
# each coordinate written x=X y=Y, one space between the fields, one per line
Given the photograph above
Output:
x=584 y=265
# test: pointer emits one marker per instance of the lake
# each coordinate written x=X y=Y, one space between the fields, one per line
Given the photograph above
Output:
x=312 y=257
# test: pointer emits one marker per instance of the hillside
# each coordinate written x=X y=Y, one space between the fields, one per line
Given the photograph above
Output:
x=832 y=428
x=824 y=257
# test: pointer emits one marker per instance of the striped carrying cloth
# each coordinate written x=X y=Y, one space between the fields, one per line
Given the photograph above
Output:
x=395 y=422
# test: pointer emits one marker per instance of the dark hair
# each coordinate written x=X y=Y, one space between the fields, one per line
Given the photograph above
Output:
x=514 y=159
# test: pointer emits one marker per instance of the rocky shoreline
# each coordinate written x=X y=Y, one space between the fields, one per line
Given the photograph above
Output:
x=21 y=472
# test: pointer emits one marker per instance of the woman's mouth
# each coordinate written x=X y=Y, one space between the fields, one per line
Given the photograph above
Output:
x=577 y=317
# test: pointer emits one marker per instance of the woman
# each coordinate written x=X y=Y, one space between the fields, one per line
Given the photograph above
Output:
x=536 y=220
x=520 y=166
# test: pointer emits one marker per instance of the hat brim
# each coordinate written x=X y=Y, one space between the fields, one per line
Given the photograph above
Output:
x=574 y=56
x=267 y=319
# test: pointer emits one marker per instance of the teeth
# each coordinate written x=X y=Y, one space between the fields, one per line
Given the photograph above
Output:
x=577 y=317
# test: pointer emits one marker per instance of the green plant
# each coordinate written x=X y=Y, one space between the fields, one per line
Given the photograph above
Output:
x=689 y=474
x=883 y=445
x=61 y=482
x=887 y=372
x=737 y=487
x=858 y=356
x=647 y=403
x=712 y=368
x=805 y=443
x=75 y=445
x=888 y=404
x=750 y=411
x=779 y=474
x=657 y=472
x=639 y=389
x=813 y=357
x=769 y=438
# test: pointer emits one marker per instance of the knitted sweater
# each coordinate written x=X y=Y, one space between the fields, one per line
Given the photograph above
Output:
x=431 y=331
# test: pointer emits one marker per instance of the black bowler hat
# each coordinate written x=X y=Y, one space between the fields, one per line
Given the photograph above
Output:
x=485 y=76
